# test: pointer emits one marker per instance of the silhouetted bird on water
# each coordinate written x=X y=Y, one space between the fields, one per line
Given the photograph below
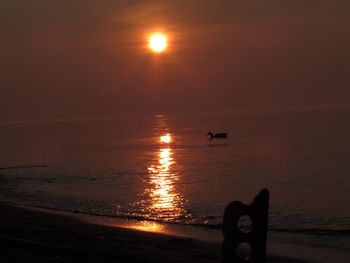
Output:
x=211 y=136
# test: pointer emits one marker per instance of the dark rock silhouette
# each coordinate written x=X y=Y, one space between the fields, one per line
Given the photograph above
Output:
x=245 y=230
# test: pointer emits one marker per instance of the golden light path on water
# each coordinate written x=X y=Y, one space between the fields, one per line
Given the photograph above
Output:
x=165 y=202
x=161 y=200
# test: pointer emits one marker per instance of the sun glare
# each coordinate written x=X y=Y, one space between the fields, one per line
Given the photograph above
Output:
x=158 y=42
x=166 y=138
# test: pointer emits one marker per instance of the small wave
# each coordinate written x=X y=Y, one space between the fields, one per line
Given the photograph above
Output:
x=304 y=231
x=23 y=167
x=122 y=216
x=314 y=231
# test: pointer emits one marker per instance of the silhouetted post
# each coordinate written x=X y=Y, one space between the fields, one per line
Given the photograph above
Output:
x=245 y=230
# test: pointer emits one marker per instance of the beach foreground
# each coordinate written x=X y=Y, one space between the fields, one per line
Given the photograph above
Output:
x=27 y=235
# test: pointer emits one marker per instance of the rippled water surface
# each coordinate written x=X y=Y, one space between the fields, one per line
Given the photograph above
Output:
x=164 y=168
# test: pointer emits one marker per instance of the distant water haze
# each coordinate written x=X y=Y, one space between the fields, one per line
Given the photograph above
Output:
x=163 y=167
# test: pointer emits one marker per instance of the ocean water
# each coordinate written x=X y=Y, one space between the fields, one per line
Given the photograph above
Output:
x=163 y=168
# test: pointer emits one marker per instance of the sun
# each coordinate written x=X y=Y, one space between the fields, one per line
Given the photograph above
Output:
x=158 y=42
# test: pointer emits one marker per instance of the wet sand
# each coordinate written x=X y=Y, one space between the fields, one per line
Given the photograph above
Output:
x=28 y=235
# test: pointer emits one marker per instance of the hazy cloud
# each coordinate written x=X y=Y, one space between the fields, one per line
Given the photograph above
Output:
x=80 y=58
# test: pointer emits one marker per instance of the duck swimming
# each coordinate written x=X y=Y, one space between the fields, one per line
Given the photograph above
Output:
x=212 y=136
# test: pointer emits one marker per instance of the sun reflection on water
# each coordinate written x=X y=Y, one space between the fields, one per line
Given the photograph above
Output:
x=164 y=202
x=161 y=199
x=166 y=138
x=162 y=193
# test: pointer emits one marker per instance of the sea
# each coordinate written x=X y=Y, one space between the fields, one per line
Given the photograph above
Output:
x=164 y=168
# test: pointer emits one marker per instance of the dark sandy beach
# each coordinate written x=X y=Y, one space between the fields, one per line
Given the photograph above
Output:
x=27 y=235
x=31 y=236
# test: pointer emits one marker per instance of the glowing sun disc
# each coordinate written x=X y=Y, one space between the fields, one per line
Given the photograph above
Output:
x=157 y=42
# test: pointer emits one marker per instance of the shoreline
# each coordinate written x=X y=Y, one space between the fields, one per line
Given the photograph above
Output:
x=50 y=232
x=207 y=233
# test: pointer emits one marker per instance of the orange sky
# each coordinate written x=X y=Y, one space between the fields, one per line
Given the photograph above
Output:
x=85 y=58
